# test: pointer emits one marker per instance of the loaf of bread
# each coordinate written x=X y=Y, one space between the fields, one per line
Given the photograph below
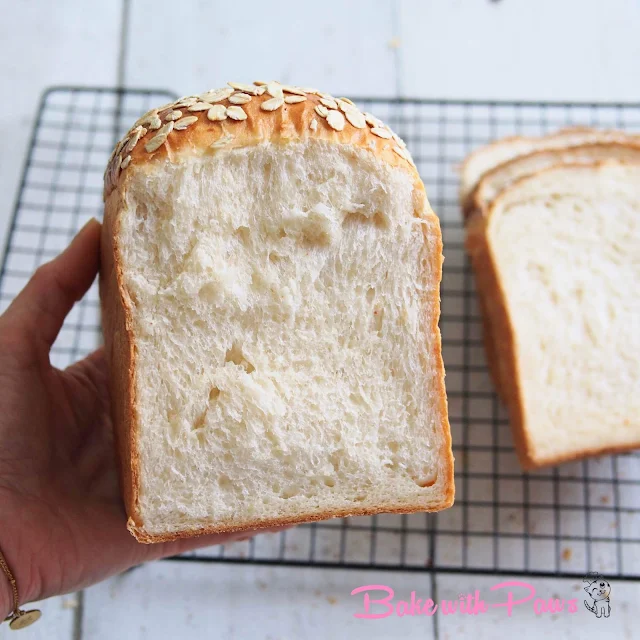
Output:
x=557 y=262
x=270 y=297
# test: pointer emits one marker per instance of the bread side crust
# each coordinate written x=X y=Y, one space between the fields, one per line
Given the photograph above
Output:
x=437 y=260
x=121 y=355
x=503 y=348
x=483 y=287
x=466 y=185
x=500 y=351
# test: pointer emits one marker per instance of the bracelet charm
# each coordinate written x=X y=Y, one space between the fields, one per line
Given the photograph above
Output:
x=21 y=619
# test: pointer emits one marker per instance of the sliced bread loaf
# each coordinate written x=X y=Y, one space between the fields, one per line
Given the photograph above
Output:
x=557 y=259
x=270 y=294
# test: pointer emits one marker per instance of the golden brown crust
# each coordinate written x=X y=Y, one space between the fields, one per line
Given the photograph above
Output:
x=446 y=452
x=501 y=348
x=483 y=289
x=499 y=338
x=287 y=123
x=120 y=354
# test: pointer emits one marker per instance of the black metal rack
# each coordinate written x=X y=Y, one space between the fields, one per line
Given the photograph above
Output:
x=564 y=521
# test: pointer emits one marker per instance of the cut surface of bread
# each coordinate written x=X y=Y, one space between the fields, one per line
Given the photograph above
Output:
x=558 y=254
x=271 y=318
x=486 y=158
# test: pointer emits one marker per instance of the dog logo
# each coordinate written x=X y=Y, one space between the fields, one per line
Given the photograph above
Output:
x=599 y=591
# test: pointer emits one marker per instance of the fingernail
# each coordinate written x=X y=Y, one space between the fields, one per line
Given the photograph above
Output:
x=89 y=223
x=80 y=233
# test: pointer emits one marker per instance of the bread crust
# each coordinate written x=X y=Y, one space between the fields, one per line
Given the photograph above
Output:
x=446 y=451
x=289 y=123
x=120 y=354
x=503 y=350
x=496 y=322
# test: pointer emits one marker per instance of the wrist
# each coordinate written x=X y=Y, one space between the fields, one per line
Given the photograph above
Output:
x=7 y=579
x=6 y=597
x=15 y=559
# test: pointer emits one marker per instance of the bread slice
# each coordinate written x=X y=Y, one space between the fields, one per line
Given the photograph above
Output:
x=558 y=258
x=484 y=159
x=502 y=176
x=270 y=292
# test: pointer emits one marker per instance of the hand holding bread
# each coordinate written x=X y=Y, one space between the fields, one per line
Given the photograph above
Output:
x=62 y=522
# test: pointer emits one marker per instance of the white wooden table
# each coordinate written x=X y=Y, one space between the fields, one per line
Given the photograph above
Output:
x=547 y=49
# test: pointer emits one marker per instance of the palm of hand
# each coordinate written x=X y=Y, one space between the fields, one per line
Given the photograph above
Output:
x=58 y=471
x=62 y=522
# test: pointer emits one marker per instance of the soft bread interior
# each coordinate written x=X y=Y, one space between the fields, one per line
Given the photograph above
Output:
x=284 y=312
x=566 y=245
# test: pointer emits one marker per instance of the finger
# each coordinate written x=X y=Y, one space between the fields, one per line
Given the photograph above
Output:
x=41 y=307
x=92 y=367
x=86 y=382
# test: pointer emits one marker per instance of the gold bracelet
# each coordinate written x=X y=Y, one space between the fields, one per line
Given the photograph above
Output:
x=18 y=618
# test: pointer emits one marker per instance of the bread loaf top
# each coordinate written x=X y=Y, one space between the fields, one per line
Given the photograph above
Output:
x=242 y=115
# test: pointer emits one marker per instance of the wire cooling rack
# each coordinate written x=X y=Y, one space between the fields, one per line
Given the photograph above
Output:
x=564 y=521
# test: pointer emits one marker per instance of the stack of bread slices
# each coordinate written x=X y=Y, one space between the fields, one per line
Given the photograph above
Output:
x=553 y=233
